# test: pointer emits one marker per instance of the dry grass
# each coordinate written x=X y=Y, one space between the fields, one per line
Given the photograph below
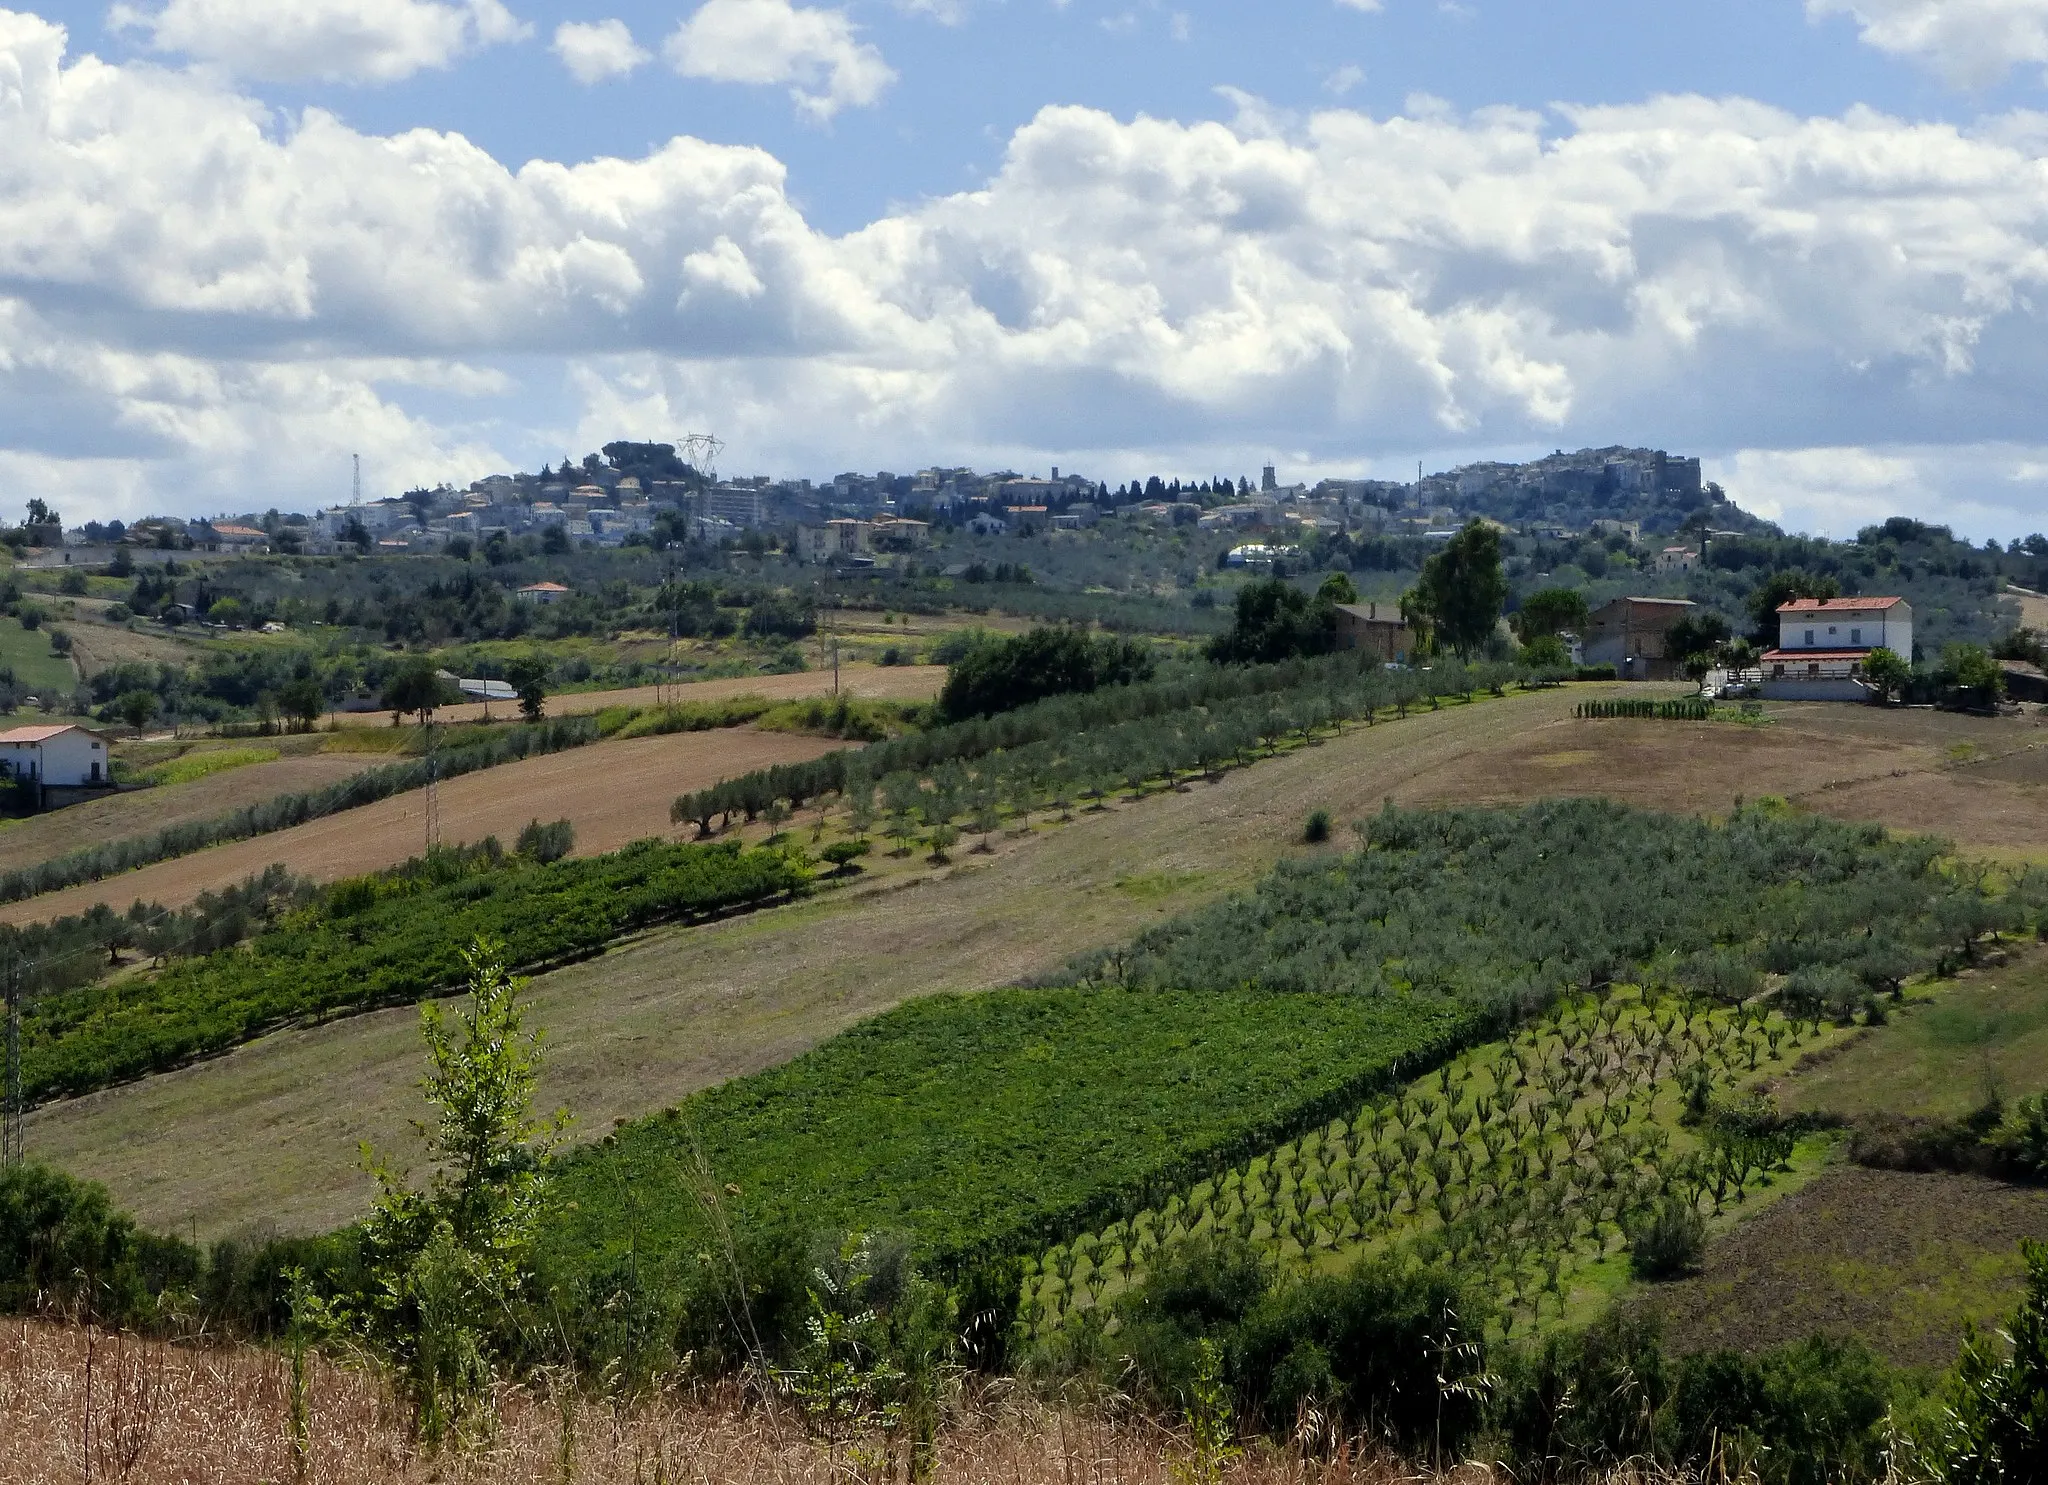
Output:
x=267 y=1135
x=160 y=1413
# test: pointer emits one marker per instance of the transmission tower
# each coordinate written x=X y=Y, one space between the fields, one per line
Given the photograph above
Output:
x=701 y=451
x=13 y=1147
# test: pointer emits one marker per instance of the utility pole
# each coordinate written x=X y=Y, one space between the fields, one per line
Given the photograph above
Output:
x=13 y=1149
x=433 y=789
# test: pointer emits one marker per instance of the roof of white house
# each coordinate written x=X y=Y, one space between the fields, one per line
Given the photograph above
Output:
x=42 y=734
x=1837 y=605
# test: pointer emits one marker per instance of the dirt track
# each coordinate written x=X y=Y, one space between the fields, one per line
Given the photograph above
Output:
x=268 y=1133
x=878 y=682
x=614 y=792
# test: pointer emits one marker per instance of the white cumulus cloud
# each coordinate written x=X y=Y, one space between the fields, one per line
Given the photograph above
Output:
x=1971 y=43
x=200 y=298
x=365 y=41
x=596 y=50
x=818 y=51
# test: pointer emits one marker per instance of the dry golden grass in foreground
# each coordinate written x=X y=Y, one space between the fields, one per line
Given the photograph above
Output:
x=80 y=1408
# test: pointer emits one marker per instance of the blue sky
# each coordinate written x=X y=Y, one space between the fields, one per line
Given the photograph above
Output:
x=1803 y=240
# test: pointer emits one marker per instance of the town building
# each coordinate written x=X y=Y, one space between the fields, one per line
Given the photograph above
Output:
x=834 y=540
x=1631 y=635
x=542 y=593
x=1823 y=644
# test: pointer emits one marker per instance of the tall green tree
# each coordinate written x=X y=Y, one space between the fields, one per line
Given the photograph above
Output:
x=1004 y=674
x=1462 y=589
x=417 y=686
x=1550 y=611
x=1276 y=621
x=528 y=676
x=1780 y=588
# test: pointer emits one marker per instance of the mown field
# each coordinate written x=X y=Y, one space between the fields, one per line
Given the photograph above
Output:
x=657 y=1018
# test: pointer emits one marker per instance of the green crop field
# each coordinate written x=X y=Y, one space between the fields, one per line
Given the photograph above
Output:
x=365 y=947
x=1521 y=1161
x=996 y=1121
x=980 y=1123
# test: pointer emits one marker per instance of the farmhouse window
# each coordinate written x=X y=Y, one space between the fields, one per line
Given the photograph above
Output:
x=1855 y=636
x=1809 y=636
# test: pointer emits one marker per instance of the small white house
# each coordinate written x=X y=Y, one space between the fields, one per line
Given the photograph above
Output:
x=66 y=757
x=1824 y=642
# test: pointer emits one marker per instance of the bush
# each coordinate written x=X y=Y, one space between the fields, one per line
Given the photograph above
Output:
x=1317 y=830
x=843 y=853
x=1667 y=1242
x=546 y=843
x=1005 y=674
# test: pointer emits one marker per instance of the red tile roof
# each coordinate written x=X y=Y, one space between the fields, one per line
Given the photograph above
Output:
x=1836 y=605
x=1782 y=655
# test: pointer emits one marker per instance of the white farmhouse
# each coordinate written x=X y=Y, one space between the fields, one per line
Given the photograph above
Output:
x=66 y=757
x=1824 y=642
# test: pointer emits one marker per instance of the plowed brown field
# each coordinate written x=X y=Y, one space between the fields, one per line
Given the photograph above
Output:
x=613 y=792
x=141 y=811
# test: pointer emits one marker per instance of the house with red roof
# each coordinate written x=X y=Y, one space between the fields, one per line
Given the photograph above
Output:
x=1824 y=642
x=60 y=757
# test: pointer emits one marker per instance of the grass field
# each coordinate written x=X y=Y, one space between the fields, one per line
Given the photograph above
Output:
x=613 y=792
x=1942 y=1057
x=36 y=671
x=268 y=1134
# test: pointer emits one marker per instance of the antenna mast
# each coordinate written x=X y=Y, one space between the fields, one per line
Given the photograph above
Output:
x=358 y=458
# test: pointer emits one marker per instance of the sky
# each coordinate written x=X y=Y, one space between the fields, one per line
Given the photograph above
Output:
x=1806 y=240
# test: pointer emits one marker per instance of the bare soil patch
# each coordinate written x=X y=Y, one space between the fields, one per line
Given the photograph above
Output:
x=613 y=792
x=98 y=646
x=1897 y=1259
x=268 y=1133
x=878 y=682
x=140 y=811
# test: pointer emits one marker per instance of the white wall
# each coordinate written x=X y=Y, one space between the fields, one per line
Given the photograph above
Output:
x=1891 y=628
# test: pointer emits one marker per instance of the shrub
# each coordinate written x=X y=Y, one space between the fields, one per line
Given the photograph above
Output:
x=1317 y=831
x=1004 y=674
x=843 y=853
x=1667 y=1242
x=546 y=843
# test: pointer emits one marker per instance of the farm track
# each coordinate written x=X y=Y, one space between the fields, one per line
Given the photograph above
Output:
x=268 y=1134
x=613 y=792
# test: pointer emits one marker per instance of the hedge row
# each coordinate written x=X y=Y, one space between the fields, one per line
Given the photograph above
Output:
x=1687 y=709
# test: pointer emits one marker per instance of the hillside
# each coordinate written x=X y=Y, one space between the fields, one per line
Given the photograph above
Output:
x=664 y=1015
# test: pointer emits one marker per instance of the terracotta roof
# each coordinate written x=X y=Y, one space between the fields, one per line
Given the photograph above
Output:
x=543 y=588
x=37 y=734
x=1777 y=655
x=1836 y=605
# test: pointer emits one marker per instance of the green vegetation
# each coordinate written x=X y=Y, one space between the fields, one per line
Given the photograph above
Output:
x=989 y=1124
x=1458 y=599
x=384 y=940
x=201 y=764
x=1685 y=709
x=1519 y=1163
x=1088 y=746
x=37 y=669
x=1001 y=675
x=1275 y=621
